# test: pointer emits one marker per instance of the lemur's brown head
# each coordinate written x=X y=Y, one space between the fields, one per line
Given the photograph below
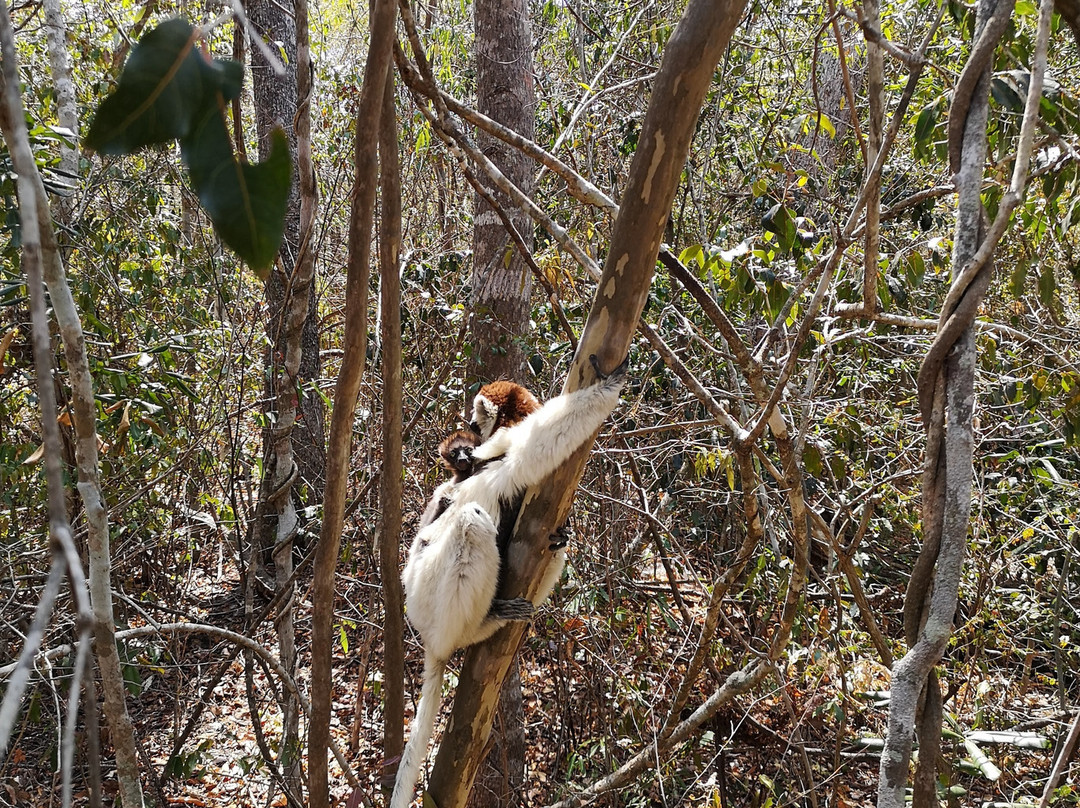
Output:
x=457 y=452
x=500 y=404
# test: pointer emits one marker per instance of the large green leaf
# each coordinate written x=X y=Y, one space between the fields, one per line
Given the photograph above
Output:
x=170 y=90
x=166 y=88
x=245 y=202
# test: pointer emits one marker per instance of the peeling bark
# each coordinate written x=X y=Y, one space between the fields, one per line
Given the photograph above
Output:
x=685 y=75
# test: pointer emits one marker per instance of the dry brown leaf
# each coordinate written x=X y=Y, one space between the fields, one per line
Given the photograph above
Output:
x=5 y=343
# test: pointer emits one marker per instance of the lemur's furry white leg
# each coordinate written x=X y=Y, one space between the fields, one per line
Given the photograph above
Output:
x=408 y=772
x=450 y=578
x=450 y=585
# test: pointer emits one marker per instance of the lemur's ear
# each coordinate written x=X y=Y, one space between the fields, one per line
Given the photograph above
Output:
x=490 y=408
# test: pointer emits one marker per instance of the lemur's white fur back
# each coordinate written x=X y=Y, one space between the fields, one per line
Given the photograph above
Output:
x=450 y=579
x=453 y=568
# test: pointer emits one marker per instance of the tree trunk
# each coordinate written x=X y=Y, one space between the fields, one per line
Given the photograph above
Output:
x=66 y=110
x=501 y=283
x=383 y=15
x=875 y=92
x=390 y=480
x=679 y=89
x=293 y=445
x=946 y=386
x=276 y=105
x=501 y=291
x=32 y=193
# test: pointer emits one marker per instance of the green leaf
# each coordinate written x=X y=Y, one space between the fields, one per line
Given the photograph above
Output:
x=164 y=91
x=245 y=202
x=693 y=253
x=925 y=123
x=1047 y=285
x=1006 y=95
x=916 y=269
x=778 y=220
x=1018 y=277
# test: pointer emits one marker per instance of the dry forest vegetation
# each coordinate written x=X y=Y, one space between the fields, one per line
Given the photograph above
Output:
x=753 y=515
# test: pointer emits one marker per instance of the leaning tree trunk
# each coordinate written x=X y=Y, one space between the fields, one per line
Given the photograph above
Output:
x=365 y=180
x=501 y=291
x=685 y=75
x=946 y=400
x=84 y=410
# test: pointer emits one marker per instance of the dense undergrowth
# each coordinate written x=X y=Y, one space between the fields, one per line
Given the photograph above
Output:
x=178 y=347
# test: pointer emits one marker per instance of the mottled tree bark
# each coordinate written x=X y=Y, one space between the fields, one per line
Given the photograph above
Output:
x=276 y=105
x=66 y=110
x=501 y=291
x=293 y=444
x=501 y=282
x=685 y=75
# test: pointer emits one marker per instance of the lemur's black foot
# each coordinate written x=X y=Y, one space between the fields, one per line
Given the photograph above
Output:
x=559 y=538
x=515 y=609
x=618 y=372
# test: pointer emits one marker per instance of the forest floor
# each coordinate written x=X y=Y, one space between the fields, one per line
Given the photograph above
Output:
x=779 y=749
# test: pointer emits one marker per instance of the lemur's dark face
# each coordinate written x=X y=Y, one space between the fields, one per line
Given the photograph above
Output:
x=461 y=458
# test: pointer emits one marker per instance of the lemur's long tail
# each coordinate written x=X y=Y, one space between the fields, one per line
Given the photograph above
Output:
x=423 y=725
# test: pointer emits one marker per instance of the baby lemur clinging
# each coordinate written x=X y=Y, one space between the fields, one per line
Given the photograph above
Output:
x=456 y=451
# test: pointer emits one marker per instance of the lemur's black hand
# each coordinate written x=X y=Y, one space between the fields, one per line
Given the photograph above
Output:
x=559 y=538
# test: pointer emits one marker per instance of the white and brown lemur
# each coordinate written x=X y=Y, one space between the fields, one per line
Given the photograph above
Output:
x=453 y=569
